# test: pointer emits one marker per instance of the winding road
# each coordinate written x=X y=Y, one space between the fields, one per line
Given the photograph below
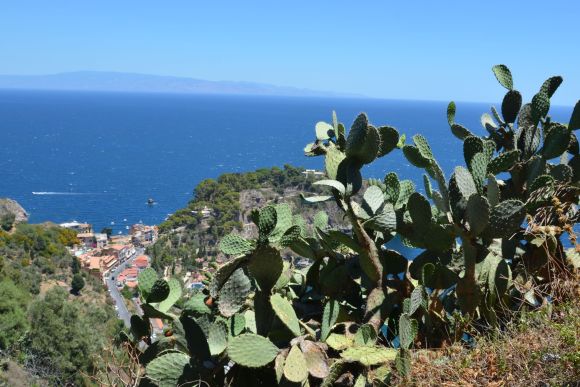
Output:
x=115 y=293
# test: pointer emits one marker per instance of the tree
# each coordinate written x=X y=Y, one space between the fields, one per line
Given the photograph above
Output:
x=75 y=265
x=77 y=283
x=6 y=221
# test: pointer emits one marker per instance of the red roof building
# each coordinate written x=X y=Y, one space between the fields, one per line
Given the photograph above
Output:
x=141 y=262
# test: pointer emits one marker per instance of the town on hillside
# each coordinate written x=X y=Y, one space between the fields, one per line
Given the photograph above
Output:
x=101 y=254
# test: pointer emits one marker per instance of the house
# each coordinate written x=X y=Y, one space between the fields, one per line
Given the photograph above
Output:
x=143 y=235
x=87 y=239
x=205 y=212
x=108 y=262
x=95 y=266
x=312 y=172
x=128 y=277
x=123 y=252
x=101 y=240
x=80 y=228
x=141 y=262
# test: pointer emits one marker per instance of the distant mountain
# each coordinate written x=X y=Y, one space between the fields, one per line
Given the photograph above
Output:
x=129 y=82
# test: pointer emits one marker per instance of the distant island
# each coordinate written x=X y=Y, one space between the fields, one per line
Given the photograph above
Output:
x=146 y=83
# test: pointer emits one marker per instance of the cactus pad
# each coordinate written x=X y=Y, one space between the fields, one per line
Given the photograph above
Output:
x=217 y=337
x=159 y=291
x=316 y=359
x=234 y=292
x=369 y=356
x=285 y=312
x=373 y=199
x=408 y=329
x=295 y=366
x=389 y=139
x=506 y=218
x=392 y=187
x=332 y=160
x=146 y=279
x=556 y=142
x=175 y=292
x=423 y=145
x=266 y=266
x=323 y=131
x=233 y=244
x=451 y=113
x=540 y=106
x=503 y=162
x=415 y=157
x=511 y=105
x=250 y=350
x=477 y=214
x=363 y=140
x=503 y=75
x=460 y=131
x=166 y=370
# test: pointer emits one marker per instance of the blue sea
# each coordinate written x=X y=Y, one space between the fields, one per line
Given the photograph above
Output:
x=98 y=157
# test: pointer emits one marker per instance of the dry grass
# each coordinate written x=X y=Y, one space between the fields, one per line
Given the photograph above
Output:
x=539 y=349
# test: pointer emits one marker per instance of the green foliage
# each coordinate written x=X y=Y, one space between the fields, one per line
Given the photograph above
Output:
x=487 y=241
x=78 y=283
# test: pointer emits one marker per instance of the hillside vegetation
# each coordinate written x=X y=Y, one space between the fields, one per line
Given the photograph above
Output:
x=188 y=234
x=44 y=330
x=498 y=251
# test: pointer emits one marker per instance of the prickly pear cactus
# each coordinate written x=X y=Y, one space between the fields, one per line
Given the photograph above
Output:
x=487 y=236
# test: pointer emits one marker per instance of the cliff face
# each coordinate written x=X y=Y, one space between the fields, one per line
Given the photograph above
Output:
x=9 y=206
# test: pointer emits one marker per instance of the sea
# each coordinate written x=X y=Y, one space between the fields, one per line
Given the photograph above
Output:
x=98 y=157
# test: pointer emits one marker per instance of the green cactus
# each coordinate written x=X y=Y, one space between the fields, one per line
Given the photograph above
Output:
x=323 y=131
x=413 y=154
x=511 y=105
x=234 y=292
x=503 y=162
x=506 y=218
x=408 y=329
x=233 y=244
x=503 y=76
x=283 y=309
x=451 y=108
x=167 y=369
x=477 y=214
x=363 y=141
x=159 y=291
x=392 y=187
x=295 y=366
x=556 y=142
x=373 y=199
x=332 y=161
x=540 y=106
x=460 y=131
x=217 y=339
x=250 y=350
x=551 y=85
x=175 y=292
x=329 y=317
x=389 y=140
x=146 y=279
x=369 y=356
x=365 y=336
x=266 y=266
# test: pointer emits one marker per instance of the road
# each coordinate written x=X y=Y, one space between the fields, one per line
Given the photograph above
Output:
x=115 y=293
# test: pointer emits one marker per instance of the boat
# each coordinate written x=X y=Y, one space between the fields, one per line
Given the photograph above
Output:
x=150 y=201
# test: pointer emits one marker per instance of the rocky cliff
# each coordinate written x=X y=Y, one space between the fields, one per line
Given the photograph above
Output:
x=9 y=206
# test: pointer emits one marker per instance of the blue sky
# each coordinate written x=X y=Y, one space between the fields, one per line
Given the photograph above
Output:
x=438 y=50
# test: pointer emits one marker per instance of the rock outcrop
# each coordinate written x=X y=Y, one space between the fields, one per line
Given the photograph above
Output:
x=9 y=206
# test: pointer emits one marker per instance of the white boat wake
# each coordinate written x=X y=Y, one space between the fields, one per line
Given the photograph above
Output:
x=62 y=193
